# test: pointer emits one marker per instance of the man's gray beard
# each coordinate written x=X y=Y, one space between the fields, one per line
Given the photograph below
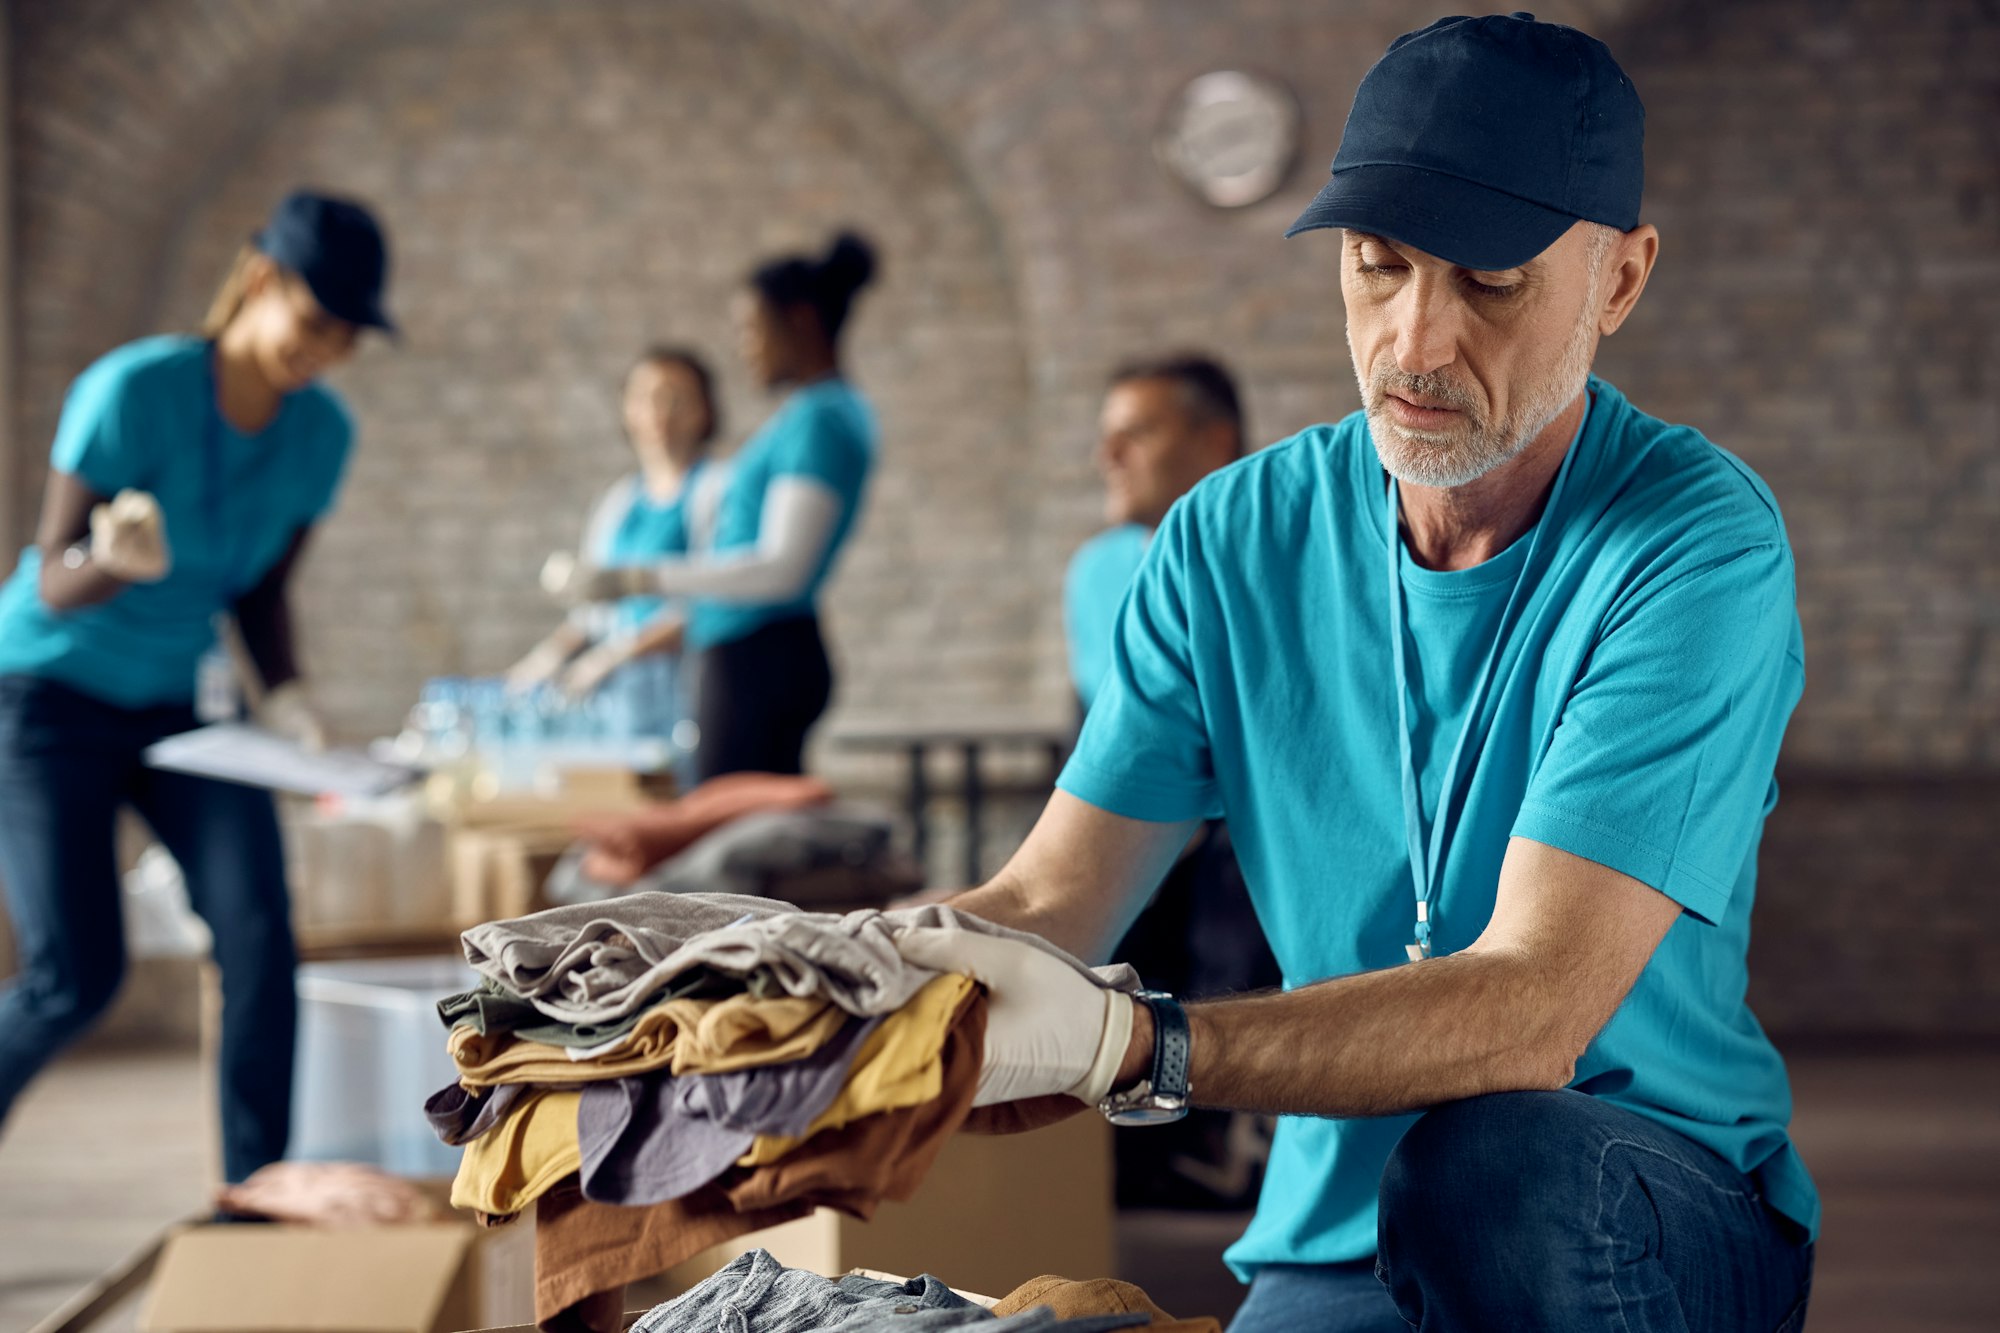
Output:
x=1447 y=458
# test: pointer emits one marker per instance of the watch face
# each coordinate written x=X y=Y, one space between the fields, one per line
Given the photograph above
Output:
x=1231 y=137
x=1155 y=1113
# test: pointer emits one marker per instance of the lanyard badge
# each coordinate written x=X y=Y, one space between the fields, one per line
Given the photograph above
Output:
x=1427 y=855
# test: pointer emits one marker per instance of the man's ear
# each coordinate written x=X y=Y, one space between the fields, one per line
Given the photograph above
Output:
x=1630 y=263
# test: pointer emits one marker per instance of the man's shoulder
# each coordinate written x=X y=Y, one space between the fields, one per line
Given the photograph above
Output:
x=1289 y=476
x=1112 y=555
x=1675 y=481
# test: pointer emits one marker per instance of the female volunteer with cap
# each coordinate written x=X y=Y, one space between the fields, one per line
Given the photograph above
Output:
x=185 y=478
x=762 y=677
x=663 y=510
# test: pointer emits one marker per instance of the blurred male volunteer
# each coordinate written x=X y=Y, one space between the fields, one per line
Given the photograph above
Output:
x=1489 y=681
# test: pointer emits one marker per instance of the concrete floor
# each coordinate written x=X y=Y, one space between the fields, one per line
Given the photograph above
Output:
x=109 y=1147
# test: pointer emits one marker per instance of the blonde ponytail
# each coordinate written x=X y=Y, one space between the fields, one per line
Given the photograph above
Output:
x=230 y=296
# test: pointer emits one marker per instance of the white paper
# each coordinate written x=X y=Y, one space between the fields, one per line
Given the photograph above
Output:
x=238 y=752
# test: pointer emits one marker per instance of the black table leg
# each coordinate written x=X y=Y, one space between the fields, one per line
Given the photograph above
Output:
x=920 y=800
x=974 y=800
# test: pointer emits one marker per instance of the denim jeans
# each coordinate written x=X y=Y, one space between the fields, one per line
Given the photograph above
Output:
x=1554 y=1211
x=67 y=763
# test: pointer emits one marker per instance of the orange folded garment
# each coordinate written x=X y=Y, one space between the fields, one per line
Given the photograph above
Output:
x=1072 y=1300
x=625 y=847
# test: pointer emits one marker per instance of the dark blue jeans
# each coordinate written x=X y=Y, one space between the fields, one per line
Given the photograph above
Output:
x=67 y=763
x=1553 y=1211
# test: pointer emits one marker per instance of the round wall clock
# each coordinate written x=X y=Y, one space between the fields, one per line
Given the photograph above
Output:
x=1231 y=137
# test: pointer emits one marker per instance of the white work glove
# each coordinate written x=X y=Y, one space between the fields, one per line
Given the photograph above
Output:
x=590 y=670
x=540 y=665
x=287 y=712
x=1049 y=1029
x=128 y=538
x=574 y=582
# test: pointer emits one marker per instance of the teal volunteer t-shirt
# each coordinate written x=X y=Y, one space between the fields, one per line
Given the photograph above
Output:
x=1634 y=719
x=144 y=418
x=647 y=531
x=824 y=432
x=1093 y=589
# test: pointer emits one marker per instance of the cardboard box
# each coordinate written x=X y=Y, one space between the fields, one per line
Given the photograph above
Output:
x=432 y=1278
x=367 y=873
x=995 y=1211
x=498 y=872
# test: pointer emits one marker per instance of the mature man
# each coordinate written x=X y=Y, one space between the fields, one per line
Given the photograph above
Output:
x=1490 y=677
x=1168 y=421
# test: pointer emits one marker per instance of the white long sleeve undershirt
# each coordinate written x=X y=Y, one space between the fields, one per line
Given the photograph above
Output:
x=793 y=531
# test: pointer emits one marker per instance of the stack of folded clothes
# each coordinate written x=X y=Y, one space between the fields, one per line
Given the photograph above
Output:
x=662 y=1072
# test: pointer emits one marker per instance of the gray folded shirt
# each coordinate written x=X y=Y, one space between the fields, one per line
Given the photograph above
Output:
x=599 y=962
x=757 y=1294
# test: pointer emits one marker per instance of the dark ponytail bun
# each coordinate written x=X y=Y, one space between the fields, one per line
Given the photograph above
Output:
x=827 y=285
x=849 y=264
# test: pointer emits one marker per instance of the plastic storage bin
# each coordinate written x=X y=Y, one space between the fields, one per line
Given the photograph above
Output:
x=371 y=1050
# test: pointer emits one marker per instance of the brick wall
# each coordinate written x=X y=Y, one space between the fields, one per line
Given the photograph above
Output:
x=566 y=181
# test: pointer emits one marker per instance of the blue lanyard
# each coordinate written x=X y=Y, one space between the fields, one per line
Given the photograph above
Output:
x=1427 y=862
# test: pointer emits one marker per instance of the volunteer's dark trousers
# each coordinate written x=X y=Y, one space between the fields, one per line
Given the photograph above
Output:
x=1553 y=1211
x=67 y=763
x=758 y=696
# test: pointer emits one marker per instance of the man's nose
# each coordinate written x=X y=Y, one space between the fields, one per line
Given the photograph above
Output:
x=1427 y=327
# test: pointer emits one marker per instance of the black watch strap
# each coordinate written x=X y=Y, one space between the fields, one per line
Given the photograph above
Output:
x=1171 y=1044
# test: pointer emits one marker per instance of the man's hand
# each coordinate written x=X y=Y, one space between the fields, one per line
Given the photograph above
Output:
x=287 y=712
x=1049 y=1029
x=128 y=538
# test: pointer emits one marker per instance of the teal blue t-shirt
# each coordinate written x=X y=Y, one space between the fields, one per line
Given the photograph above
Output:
x=1634 y=719
x=824 y=432
x=1093 y=589
x=647 y=531
x=144 y=418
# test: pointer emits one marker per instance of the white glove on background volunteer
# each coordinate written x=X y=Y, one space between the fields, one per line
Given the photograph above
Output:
x=540 y=665
x=590 y=669
x=287 y=712
x=1048 y=1028
x=574 y=582
x=128 y=538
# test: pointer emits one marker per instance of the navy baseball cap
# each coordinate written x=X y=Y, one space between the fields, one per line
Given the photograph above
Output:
x=338 y=248
x=1482 y=140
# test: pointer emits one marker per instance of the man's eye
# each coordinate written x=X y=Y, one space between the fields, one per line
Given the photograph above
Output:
x=1374 y=270
x=1488 y=289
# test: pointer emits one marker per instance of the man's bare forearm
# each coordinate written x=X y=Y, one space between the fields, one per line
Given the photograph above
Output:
x=1379 y=1043
x=1080 y=877
x=1005 y=900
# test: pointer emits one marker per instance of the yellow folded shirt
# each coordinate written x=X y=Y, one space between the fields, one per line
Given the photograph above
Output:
x=688 y=1036
x=899 y=1064
x=510 y=1165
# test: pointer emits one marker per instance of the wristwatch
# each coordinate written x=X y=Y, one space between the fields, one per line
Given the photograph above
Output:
x=1161 y=1097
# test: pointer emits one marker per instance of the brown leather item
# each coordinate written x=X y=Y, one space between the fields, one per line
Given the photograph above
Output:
x=584 y=1250
x=625 y=847
x=1102 y=1295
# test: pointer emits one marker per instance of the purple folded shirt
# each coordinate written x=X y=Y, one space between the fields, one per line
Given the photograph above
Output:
x=656 y=1137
